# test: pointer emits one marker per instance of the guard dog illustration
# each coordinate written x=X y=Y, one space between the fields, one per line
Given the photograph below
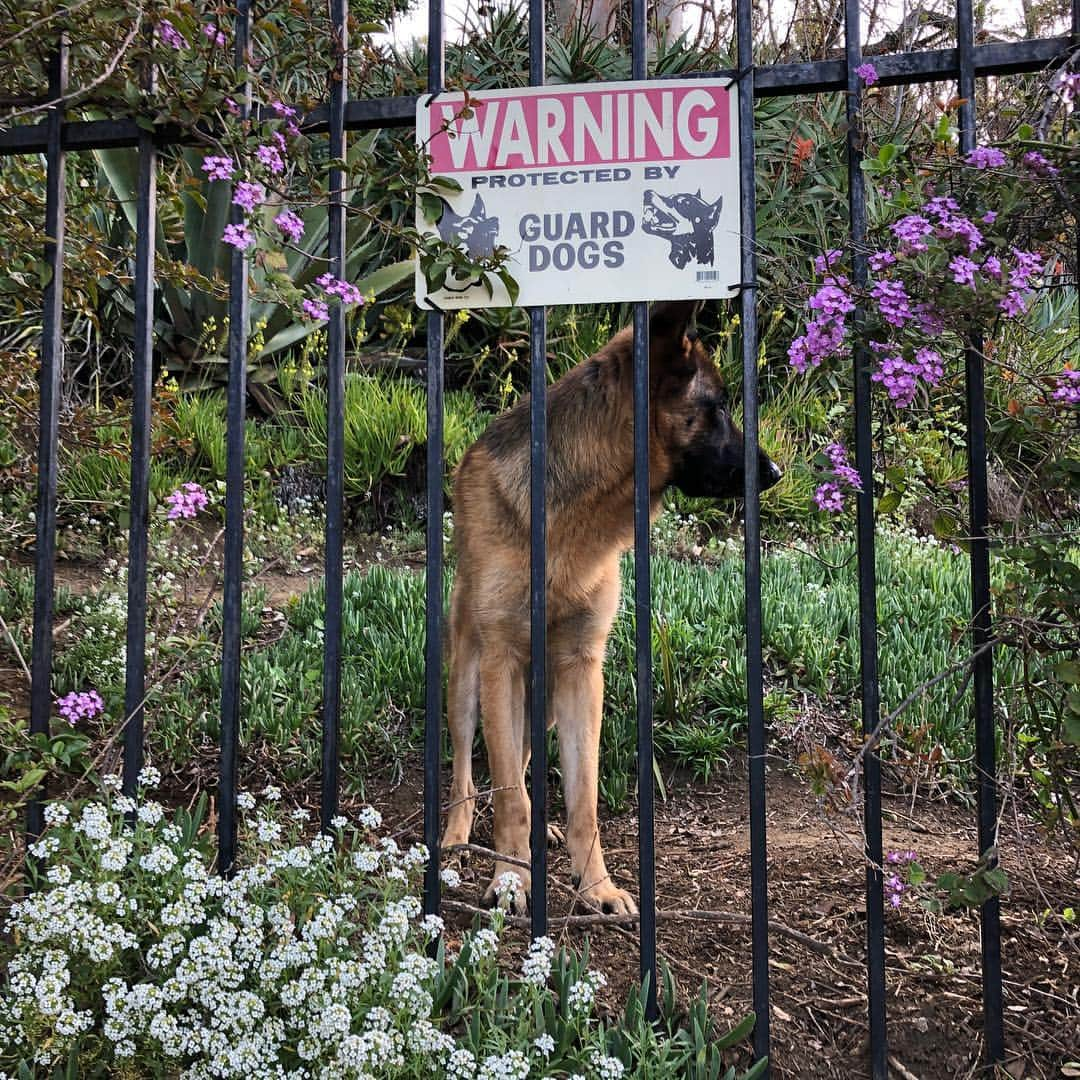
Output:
x=475 y=231
x=694 y=446
x=686 y=222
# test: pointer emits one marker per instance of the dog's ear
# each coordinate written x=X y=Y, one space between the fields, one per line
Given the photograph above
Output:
x=669 y=320
x=671 y=331
x=477 y=208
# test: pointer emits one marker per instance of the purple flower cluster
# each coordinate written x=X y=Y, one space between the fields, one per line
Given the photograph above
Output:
x=1028 y=264
x=868 y=73
x=901 y=377
x=832 y=301
x=187 y=501
x=824 y=335
x=239 y=236
x=895 y=886
x=841 y=466
x=823 y=338
x=910 y=231
x=218 y=167
x=956 y=226
x=287 y=113
x=963 y=270
x=215 y=34
x=830 y=495
x=1038 y=164
x=272 y=158
x=1067 y=387
x=333 y=286
x=74 y=707
x=880 y=260
x=1013 y=303
x=829 y=498
x=892 y=300
x=952 y=225
x=929 y=320
x=249 y=195
x=171 y=36
x=824 y=263
x=290 y=225
x=985 y=157
x=316 y=309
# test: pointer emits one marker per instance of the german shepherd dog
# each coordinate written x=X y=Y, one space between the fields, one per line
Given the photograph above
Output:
x=693 y=445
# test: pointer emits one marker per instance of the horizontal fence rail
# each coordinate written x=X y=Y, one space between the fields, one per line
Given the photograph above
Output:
x=776 y=80
x=55 y=137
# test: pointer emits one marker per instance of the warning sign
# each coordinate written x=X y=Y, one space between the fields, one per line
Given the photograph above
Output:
x=603 y=192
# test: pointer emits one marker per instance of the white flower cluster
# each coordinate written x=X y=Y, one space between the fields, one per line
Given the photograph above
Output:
x=536 y=968
x=582 y=994
x=309 y=963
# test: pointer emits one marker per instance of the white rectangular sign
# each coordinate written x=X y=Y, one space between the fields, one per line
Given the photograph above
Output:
x=603 y=192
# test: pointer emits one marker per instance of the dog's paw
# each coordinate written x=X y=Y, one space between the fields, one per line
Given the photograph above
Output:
x=555 y=837
x=454 y=839
x=510 y=889
x=606 y=898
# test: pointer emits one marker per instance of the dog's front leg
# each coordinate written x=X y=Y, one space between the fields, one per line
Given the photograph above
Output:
x=578 y=702
x=502 y=713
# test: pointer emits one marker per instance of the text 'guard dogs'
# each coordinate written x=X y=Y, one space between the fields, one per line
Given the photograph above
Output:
x=693 y=445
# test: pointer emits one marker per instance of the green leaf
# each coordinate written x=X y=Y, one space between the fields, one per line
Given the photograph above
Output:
x=887 y=154
x=430 y=206
x=889 y=502
x=1070 y=729
x=944 y=525
x=446 y=182
x=386 y=277
x=1068 y=671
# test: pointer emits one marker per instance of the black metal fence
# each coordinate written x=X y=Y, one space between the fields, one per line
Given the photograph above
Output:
x=54 y=137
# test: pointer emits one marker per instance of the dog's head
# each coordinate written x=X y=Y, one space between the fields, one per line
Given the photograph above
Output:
x=699 y=448
x=686 y=221
x=474 y=231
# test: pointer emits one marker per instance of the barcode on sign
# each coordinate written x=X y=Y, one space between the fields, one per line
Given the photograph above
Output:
x=708 y=275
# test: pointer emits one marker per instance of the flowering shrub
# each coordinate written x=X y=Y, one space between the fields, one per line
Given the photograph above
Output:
x=945 y=266
x=132 y=957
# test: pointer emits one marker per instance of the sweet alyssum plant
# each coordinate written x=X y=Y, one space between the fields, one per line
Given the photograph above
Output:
x=131 y=957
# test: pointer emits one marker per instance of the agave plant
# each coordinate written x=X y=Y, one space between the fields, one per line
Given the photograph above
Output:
x=193 y=313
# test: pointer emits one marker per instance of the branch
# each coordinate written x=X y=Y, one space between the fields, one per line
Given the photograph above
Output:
x=66 y=100
x=823 y=948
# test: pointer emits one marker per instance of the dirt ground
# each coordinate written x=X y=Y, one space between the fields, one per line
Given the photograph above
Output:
x=817 y=909
x=816 y=889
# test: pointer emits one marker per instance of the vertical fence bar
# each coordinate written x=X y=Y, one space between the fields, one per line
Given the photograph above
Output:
x=643 y=598
x=755 y=702
x=335 y=426
x=434 y=589
x=231 y=616
x=868 y=654
x=983 y=664
x=139 y=502
x=538 y=552
x=52 y=362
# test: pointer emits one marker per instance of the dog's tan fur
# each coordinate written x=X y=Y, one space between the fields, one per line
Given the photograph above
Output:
x=590 y=488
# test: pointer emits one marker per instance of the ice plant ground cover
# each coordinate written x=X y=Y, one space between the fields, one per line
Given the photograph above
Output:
x=132 y=957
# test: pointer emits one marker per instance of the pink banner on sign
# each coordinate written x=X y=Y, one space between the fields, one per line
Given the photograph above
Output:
x=601 y=127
